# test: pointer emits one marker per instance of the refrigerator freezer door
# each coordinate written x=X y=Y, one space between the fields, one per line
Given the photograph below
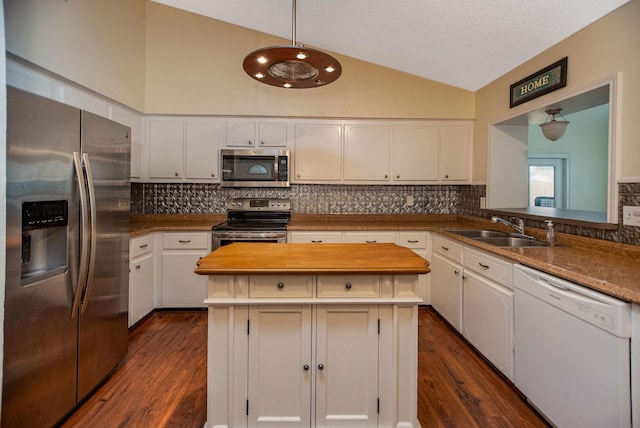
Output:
x=103 y=332
x=39 y=382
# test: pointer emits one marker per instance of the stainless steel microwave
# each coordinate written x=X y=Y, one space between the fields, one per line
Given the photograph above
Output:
x=254 y=168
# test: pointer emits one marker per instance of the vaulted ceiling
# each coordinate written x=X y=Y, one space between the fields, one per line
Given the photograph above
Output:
x=463 y=43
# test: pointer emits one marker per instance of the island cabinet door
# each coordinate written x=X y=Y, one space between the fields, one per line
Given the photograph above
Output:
x=279 y=381
x=346 y=366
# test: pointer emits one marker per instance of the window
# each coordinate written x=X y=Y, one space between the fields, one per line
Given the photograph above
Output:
x=547 y=181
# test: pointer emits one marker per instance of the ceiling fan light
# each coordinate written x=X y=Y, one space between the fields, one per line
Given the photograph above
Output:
x=294 y=66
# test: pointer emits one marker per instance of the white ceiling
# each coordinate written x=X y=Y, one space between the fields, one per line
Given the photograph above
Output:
x=463 y=43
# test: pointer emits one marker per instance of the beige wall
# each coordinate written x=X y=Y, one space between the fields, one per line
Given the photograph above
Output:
x=194 y=66
x=607 y=46
x=96 y=43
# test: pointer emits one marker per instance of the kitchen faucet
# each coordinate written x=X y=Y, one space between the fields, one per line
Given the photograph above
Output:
x=517 y=225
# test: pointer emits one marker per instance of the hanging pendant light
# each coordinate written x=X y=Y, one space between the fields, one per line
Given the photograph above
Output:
x=292 y=66
x=554 y=129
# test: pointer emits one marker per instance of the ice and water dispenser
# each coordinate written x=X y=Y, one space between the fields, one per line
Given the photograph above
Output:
x=44 y=240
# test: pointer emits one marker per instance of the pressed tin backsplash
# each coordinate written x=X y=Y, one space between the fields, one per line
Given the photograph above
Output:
x=207 y=198
x=203 y=198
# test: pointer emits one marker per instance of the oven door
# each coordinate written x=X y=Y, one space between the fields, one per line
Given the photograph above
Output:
x=222 y=238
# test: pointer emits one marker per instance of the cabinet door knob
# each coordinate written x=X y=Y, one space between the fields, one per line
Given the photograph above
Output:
x=386 y=176
x=348 y=286
x=213 y=175
x=137 y=266
x=320 y=367
x=397 y=176
x=280 y=285
x=262 y=143
x=250 y=143
x=176 y=174
x=305 y=367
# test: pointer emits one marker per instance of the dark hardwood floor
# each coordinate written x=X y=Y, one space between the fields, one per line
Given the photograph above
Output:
x=162 y=382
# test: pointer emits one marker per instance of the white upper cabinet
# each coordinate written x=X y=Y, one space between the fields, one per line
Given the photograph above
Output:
x=387 y=152
x=366 y=152
x=317 y=152
x=166 y=142
x=202 y=145
x=256 y=134
x=183 y=149
x=416 y=152
x=456 y=151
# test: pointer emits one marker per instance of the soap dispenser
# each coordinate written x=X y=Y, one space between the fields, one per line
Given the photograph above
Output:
x=551 y=233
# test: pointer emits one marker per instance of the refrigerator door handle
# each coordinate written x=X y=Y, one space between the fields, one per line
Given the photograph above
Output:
x=93 y=240
x=84 y=232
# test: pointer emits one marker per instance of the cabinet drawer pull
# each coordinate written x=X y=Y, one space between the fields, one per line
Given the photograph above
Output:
x=320 y=367
x=137 y=266
x=144 y=246
x=371 y=242
x=280 y=285
x=305 y=367
x=316 y=241
x=413 y=241
x=483 y=266
x=184 y=241
x=445 y=248
x=348 y=286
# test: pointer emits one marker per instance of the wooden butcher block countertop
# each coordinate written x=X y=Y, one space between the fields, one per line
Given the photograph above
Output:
x=270 y=258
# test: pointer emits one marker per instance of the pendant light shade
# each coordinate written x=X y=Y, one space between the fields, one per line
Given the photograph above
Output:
x=554 y=129
x=293 y=66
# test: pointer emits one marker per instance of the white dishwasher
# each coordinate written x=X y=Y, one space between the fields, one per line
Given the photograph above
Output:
x=572 y=351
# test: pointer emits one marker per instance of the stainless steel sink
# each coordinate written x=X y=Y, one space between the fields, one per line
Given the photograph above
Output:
x=508 y=241
x=474 y=233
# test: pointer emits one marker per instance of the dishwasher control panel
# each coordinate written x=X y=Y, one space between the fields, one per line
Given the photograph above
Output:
x=603 y=311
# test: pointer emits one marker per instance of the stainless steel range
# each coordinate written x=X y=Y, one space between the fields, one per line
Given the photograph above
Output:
x=253 y=220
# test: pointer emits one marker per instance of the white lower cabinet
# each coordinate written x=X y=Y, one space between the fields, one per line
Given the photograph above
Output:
x=315 y=237
x=488 y=307
x=446 y=280
x=181 y=287
x=315 y=362
x=141 y=278
x=286 y=375
x=280 y=366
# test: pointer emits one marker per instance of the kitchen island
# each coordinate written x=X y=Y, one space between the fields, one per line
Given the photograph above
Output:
x=312 y=335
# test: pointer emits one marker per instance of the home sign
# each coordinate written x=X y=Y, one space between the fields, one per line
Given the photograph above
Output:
x=539 y=83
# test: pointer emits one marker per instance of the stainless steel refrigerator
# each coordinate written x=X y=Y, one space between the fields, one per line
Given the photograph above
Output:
x=68 y=207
